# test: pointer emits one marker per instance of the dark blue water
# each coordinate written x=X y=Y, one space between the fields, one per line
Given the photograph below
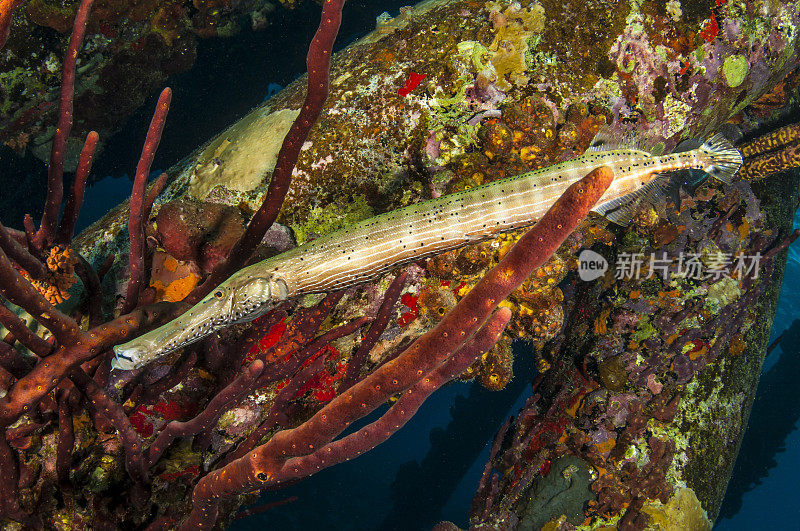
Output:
x=764 y=481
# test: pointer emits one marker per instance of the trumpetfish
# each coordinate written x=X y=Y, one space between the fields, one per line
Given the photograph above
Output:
x=364 y=251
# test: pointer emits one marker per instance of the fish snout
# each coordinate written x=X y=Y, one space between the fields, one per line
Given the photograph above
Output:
x=125 y=359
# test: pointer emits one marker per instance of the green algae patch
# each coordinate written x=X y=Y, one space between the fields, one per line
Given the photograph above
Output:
x=721 y=294
x=644 y=330
x=735 y=69
x=331 y=217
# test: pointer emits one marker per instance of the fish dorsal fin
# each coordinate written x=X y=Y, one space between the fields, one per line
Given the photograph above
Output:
x=688 y=144
x=607 y=139
x=622 y=209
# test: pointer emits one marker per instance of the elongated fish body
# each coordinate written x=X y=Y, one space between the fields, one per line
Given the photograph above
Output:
x=367 y=249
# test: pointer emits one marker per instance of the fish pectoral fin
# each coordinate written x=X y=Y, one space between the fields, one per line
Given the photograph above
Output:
x=622 y=209
x=688 y=180
x=619 y=210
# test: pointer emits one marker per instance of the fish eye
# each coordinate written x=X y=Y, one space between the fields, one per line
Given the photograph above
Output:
x=218 y=294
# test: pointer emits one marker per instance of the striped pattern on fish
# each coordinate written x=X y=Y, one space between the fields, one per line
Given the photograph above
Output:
x=366 y=250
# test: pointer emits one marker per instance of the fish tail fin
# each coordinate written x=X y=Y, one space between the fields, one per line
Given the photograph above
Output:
x=724 y=159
